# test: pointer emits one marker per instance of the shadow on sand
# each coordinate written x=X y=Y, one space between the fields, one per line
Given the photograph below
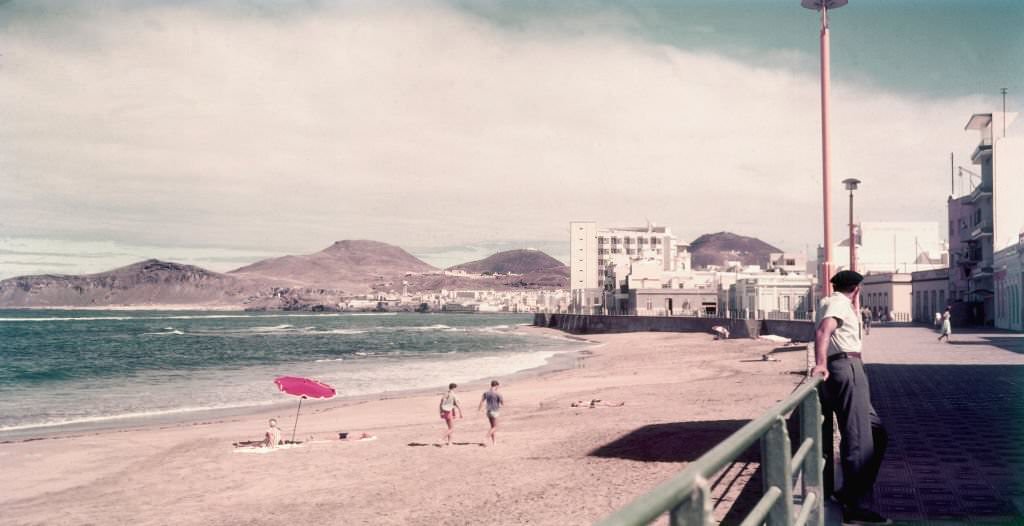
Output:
x=438 y=444
x=688 y=441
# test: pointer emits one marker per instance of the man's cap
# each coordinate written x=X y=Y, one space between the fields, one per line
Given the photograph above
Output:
x=846 y=278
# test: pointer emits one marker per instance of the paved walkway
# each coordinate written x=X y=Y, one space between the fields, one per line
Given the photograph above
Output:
x=955 y=415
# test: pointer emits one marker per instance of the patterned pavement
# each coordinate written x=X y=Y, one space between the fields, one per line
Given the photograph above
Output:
x=954 y=414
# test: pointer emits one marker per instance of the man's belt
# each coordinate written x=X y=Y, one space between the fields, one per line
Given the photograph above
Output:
x=843 y=356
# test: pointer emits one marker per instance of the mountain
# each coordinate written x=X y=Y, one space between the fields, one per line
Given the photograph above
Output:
x=316 y=281
x=350 y=265
x=150 y=282
x=515 y=262
x=716 y=249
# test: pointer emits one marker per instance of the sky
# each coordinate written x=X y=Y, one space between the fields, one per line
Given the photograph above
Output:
x=217 y=133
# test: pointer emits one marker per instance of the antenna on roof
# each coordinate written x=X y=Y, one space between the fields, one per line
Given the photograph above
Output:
x=1003 y=91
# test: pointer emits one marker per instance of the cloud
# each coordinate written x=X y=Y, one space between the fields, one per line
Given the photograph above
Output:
x=424 y=125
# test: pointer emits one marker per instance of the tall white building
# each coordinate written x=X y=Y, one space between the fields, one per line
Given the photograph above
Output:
x=885 y=246
x=593 y=250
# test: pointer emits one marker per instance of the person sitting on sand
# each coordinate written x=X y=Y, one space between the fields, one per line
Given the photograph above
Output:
x=494 y=401
x=596 y=402
x=449 y=406
x=272 y=438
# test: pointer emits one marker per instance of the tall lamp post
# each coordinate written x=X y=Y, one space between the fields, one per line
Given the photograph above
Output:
x=851 y=185
x=824 y=6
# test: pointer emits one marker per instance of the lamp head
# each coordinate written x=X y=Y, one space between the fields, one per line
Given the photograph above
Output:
x=851 y=184
x=827 y=4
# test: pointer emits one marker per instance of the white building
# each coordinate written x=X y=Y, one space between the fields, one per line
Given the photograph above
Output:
x=888 y=295
x=772 y=296
x=929 y=289
x=892 y=247
x=592 y=250
x=1008 y=278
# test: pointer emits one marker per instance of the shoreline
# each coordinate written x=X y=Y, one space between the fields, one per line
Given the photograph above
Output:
x=562 y=359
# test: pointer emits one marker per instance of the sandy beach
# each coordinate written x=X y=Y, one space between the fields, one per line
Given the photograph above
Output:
x=553 y=464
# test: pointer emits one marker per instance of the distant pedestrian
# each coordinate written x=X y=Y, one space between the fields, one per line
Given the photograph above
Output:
x=865 y=317
x=837 y=355
x=494 y=402
x=449 y=408
x=947 y=326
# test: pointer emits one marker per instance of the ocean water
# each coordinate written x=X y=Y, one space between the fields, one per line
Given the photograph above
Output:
x=80 y=370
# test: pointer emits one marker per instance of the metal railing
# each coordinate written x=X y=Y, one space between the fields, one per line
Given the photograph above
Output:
x=687 y=496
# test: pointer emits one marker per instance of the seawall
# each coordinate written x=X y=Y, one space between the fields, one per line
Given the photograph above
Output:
x=797 y=330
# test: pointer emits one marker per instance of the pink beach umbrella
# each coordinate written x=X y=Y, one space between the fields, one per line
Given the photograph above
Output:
x=303 y=388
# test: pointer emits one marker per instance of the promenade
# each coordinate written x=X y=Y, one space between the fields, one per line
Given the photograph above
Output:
x=953 y=411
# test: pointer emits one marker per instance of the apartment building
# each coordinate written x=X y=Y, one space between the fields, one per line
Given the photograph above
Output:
x=593 y=250
x=986 y=220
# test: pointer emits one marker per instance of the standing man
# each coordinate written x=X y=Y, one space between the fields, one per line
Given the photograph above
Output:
x=494 y=401
x=837 y=357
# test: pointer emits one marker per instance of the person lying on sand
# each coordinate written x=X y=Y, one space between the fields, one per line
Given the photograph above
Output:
x=362 y=436
x=596 y=402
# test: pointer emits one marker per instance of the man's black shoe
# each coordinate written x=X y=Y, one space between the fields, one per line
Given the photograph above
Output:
x=863 y=516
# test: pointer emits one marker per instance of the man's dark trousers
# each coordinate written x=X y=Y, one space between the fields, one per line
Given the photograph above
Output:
x=863 y=438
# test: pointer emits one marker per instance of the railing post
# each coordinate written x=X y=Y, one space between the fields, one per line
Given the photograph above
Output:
x=775 y=456
x=696 y=509
x=813 y=482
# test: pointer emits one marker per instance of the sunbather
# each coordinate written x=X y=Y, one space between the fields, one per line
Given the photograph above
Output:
x=596 y=402
x=272 y=438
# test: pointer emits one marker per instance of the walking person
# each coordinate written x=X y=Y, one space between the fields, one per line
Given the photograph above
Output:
x=865 y=316
x=837 y=355
x=494 y=402
x=449 y=407
x=947 y=326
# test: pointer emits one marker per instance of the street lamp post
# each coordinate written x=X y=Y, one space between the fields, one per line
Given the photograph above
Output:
x=824 y=6
x=851 y=185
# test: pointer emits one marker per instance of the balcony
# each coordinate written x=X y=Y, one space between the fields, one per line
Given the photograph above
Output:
x=968 y=258
x=983 y=229
x=981 y=192
x=982 y=152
